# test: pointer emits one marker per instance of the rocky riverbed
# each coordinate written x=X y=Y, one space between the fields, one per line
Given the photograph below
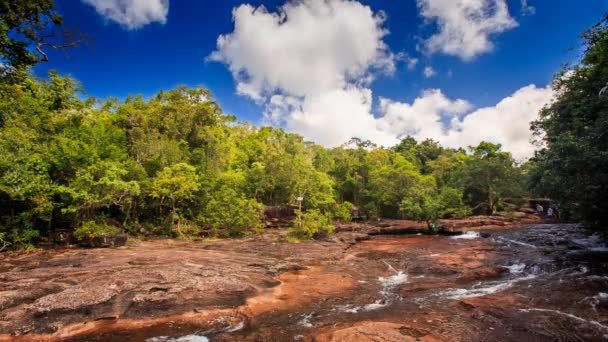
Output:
x=500 y=282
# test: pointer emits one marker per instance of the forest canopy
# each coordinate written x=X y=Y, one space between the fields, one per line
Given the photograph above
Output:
x=176 y=165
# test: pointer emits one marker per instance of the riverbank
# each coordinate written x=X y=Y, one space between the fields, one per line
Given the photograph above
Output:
x=502 y=282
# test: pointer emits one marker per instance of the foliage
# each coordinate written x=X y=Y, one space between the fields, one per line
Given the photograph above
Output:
x=91 y=229
x=228 y=213
x=343 y=212
x=491 y=178
x=27 y=28
x=573 y=167
x=311 y=224
x=429 y=204
x=175 y=165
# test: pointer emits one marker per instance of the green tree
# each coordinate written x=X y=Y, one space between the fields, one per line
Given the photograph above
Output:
x=492 y=177
x=175 y=186
x=101 y=187
x=572 y=169
x=426 y=202
x=28 y=28
x=311 y=224
x=228 y=213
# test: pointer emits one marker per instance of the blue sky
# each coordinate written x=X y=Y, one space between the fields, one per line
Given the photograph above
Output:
x=173 y=49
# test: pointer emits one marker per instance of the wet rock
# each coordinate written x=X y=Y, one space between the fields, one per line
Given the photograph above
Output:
x=492 y=303
x=349 y=237
x=482 y=274
x=426 y=284
x=378 y=331
x=282 y=268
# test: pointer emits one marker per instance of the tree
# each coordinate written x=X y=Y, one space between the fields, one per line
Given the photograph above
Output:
x=425 y=202
x=491 y=177
x=313 y=224
x=389 y=184
x=176 y=185
x=102 y=186
x=228 y=213
x=27 y=28
x=572 y=169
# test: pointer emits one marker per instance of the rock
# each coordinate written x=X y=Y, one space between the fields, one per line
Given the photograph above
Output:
x=527 y=211
x=378 y=331
x=282 y=268
x=349 y=237
x=481 y=274
x=426 y=284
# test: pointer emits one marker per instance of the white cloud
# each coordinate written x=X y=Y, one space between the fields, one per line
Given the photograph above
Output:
x=336 y=116
x=465 y=26
x=310 y=66
x=132 y=14
x=527 y=9
x=451 y=122
x=429 y=72
x=422 y=118
x=306 y=48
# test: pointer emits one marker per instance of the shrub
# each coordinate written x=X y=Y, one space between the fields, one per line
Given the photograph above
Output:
x=91 y=229
x=228 y=213
x=311 y=224
x=343 y=212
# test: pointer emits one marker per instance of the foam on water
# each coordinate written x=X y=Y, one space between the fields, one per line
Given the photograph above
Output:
x=467 y=236
x=483 y=289
x=516 y=268
x=393 y=281
x=348 y=308
x=305 y=321
x=388 y=285
x=517 y=242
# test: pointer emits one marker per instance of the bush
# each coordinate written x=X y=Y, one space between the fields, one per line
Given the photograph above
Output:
x=227 y=213
x=312 y=224
x=343 y=212
x=91 y=229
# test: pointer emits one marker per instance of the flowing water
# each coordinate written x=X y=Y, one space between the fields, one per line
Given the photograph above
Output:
x=541 y=283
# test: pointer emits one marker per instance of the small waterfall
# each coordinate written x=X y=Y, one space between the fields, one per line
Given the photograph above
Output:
x=483 y=289
x=388 y=297
x=467 y=236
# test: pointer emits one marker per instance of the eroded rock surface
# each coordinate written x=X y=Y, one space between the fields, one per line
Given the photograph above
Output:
x=542 y=282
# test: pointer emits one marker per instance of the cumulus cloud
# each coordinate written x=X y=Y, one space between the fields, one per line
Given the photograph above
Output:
x=451 y=122
x=311 y=63
x=306 y=48
x=465 y=26
x=132 y=14
x=429 y=72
